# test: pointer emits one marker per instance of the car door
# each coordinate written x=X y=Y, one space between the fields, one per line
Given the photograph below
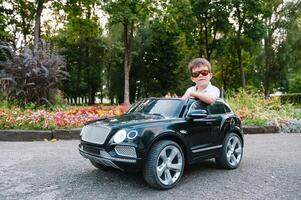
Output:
x=199 y=131
x=216 y=113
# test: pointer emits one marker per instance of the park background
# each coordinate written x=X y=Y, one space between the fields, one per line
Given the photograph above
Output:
x=57 y=53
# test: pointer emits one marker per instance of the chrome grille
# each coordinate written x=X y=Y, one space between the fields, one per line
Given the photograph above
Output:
x=95 y=134
x=126 y=151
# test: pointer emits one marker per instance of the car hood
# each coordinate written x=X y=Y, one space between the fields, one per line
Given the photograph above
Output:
x=130 y=119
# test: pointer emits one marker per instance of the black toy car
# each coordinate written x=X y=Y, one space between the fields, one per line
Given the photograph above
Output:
x=159 y=136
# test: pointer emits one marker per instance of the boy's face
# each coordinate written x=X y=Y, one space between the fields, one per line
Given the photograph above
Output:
x=201 y=76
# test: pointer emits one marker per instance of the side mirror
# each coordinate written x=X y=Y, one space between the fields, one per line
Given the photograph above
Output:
x=197 y=114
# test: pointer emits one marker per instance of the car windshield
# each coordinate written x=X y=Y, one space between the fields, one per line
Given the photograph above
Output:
x=161 y=107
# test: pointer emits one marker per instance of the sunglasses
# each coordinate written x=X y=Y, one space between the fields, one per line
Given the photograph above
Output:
x=196 y=74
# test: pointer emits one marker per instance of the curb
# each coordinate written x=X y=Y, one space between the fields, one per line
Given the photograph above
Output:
x=73 y=134
x=260 y=129
x=66 y=134
x=39 y=135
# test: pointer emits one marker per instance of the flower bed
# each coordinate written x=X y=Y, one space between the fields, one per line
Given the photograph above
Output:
x=253 y=109
x=42 y=119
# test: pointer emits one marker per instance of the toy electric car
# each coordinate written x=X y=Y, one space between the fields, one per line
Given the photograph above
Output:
x=160 y=136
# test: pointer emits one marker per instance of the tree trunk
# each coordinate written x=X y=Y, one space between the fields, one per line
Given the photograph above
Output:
x=37 y=28
x=101 y=95
x=111 y=96
x=201 y=50
x=241 y=67
x=89 y=80
x=128 y=38
x=268 y=60
x=92 y=96
x=238 y=48
x=78 y=76
x=23 y=26
x=208 y=54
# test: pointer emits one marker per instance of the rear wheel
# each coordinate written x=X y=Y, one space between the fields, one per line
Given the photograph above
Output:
x=231 y=153
x=100 y=166
x=165 y=165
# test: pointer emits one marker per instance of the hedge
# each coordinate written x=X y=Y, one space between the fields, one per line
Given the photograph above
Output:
x=294 y=98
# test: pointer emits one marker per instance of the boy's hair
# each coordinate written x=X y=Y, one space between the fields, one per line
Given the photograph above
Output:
x=198 y=62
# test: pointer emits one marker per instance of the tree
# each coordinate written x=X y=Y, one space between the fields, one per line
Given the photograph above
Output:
x=25 y=10
x=246 y=26
x=37 y=27
x=130 y=13
x=212 y=22
x=4 y=35
x=155 y=72
x=84 y=49
x=225 y=75
x=113 y=63
x=287 y=66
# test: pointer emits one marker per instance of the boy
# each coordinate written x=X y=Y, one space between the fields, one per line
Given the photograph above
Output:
x=200 y=71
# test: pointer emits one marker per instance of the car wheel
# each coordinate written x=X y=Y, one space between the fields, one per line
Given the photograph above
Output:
x=231 y=153
x=100 y=166
x=164 y=165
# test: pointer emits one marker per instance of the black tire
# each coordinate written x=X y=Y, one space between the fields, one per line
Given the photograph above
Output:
x=100 y=166
x=222 y=160
x=155 y=158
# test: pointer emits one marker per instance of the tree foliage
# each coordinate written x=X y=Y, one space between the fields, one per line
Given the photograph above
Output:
x=83 y=46
x=130 y=14
x=130 y=49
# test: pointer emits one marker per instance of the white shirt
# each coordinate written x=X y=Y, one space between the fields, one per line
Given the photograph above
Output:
x=210 y=90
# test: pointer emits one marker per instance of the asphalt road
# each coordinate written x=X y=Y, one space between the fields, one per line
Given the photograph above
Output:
x=270 y=169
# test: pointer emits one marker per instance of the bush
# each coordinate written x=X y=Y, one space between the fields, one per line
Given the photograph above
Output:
x=32 y=76
x=295 y=84
x=294 y=98
x=254 y=109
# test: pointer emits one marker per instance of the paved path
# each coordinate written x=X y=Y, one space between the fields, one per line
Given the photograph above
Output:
x=270 y=169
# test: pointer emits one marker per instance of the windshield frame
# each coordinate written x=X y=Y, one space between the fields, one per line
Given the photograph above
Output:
x=175 y=114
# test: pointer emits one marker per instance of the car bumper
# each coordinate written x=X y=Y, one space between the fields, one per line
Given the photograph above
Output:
x=105 y=158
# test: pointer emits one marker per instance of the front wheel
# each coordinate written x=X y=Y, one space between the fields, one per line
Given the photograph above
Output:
x=231 y=153
x=164 y=165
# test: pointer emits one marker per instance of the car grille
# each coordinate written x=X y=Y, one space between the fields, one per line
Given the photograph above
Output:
x=126 y=151
x=95 y=134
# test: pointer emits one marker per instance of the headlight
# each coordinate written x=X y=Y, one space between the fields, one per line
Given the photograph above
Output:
x=132 y=134
x=119 y=136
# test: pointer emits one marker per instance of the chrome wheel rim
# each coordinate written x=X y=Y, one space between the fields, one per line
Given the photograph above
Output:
x=169 y=165
x=234 y=151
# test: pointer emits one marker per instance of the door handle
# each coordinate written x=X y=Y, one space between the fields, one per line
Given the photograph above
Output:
x=209 y=122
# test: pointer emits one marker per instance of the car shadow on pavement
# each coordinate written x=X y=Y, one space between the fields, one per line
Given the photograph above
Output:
x=206 y=166
x=115 y=177
x=128 y=180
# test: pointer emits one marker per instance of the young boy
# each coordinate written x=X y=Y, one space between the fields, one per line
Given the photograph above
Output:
x=200 y=71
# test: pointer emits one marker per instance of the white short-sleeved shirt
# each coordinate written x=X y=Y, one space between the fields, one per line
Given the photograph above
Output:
x=210 y=90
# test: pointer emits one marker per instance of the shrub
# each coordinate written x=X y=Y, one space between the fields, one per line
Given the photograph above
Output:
x=254 y=109
x=294 y=98
x=31 y=76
